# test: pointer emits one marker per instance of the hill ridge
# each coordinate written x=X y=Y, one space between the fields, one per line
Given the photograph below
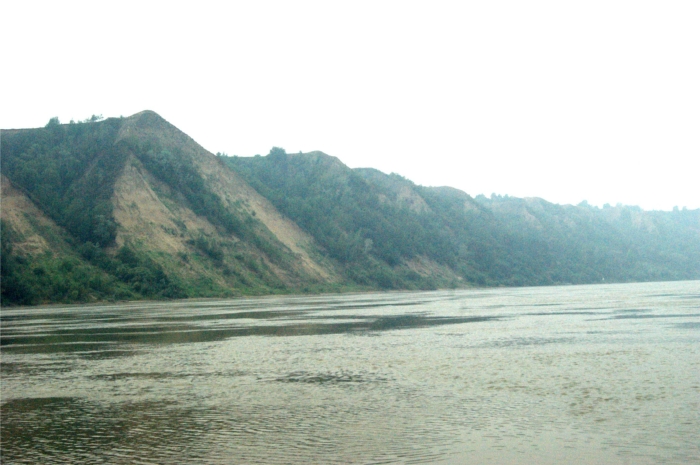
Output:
x=136 y=194
x=135 y=208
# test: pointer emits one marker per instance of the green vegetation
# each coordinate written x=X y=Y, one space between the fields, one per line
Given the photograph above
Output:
x=173 y=169
x=51 y=277
x=345 y=213
x=374 y=224
x=371 y=230
x=585 y=244
x=69 y=172
x=138 y=271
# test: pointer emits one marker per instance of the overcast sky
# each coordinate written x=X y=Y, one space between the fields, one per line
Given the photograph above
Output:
x=594 y=100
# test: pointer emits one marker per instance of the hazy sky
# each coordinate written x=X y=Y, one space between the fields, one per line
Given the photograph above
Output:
x=595 y=100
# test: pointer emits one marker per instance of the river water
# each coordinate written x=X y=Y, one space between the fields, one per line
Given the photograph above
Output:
x=580 y=374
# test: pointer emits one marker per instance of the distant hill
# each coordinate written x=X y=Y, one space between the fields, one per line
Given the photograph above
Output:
x=441 y=236
x=132 y=208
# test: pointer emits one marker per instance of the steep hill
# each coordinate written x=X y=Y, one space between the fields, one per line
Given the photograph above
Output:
x=141 y=201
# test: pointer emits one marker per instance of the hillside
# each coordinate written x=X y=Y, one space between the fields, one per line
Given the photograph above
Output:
x=590 y=244
x=459 y=239
x=39 y=263
x=132 y=208
x=377 y=227
x=155 y=212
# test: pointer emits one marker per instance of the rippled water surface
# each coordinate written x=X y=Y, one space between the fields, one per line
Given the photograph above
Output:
x=578 y=374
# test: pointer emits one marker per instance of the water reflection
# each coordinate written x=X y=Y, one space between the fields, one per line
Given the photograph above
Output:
x=162 y=332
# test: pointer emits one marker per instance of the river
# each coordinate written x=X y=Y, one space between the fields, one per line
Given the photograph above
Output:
x=581 y=374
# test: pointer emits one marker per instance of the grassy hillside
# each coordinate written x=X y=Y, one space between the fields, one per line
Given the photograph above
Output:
x=156 y=214
x=376 y=235
x=132 y=208
x=38 y=262
x=377 y=225
x=589 y=244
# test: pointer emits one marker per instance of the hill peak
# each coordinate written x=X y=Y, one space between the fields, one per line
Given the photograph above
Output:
x=147 y=118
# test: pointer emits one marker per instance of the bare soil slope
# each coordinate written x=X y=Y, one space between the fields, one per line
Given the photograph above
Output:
x=26 y=220
x=151 y=213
